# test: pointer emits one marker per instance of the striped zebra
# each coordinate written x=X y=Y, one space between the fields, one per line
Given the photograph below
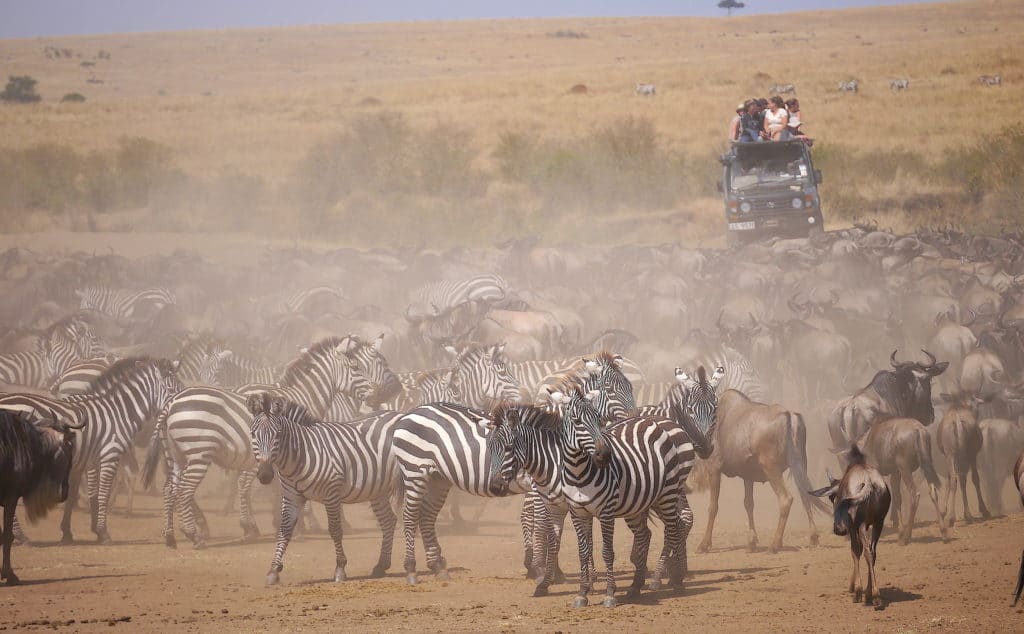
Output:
x=121 y=304
x=126 y=396
x=536 y=376
x=634 y=467
x=990 y=80
x=739 y=374
x=239 y=369
x=205 y=425
x=849 y=86
x=434 y=298
x=645 y=90
x=65 y=342
x=375 y=367
x=899 y=85
x=331 y=463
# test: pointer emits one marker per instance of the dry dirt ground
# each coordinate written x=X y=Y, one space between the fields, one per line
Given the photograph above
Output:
x=138 y=583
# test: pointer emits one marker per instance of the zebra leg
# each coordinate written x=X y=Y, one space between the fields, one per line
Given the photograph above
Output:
x=19 y=537
x=291 y=507
x=188 y=482
x=585 y=537
x=92 y=480
x=436 y=495
x=202 y=526
x=229 y=502
x=107 y=473
x=543 y=542
x=528 y=523
x=170 y=495
x=608 y=554
x=641 y=545
x=74 y=483
x=685 y=516
x=387 y=520
x=333 y=507
x=246 y=520
x=557 y=528
x=415 y=490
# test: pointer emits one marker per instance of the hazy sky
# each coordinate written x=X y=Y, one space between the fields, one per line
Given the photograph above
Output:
x=28 y=18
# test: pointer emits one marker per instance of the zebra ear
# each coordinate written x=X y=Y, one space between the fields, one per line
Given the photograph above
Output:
x=557 y=397
x=450 y=349
x=378 y=343
x=255 y=403
x=303 y=349
x=617 y=360
x=591 y=366
x=591 y=395
x=224 y=354
x=716 y=376
x=175 y=365
x=276 y=405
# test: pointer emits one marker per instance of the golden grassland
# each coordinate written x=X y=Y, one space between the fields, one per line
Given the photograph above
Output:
x=255 y=101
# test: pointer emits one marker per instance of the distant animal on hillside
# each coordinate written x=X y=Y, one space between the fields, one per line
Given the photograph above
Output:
x=849 y=86
x=860 y=501
x=990 y=80
x=782 y=89
x=645 y=90
x=579 y=89
x=897 y=85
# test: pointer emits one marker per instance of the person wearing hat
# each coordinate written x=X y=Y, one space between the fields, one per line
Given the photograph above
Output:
x=735 y=126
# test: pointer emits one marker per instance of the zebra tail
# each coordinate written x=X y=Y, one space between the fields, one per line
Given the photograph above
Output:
x=796 y=455
x=154 y=453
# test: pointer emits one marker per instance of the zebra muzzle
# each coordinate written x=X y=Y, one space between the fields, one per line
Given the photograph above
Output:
x=265 y=473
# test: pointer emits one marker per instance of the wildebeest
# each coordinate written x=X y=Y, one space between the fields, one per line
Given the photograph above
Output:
x=860 y=501
x=898 y=447
x=578 y=89
x=645 y=90
x=896 y=85
x=959 y=439
x=1018 y=479
x=35 y=464
x=758 y=442
x=849 y=86
x=906 y=390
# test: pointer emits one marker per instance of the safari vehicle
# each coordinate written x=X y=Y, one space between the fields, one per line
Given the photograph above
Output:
x=770 y=189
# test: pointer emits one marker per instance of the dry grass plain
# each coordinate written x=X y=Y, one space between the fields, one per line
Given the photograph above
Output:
x=253 y=102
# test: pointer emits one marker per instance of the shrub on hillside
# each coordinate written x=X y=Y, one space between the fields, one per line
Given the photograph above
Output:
x=20 y=89
x=73 y=97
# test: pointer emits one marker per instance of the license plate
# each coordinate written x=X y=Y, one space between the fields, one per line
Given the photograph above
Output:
x=741 y=226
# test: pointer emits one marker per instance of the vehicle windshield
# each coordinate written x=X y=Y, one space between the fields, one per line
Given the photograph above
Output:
x=764 y=165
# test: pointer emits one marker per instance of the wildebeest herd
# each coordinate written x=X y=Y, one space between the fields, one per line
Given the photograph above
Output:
x=598 y=383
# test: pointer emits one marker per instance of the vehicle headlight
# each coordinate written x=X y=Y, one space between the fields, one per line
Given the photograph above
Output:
x=797 y=203
x=745 y=207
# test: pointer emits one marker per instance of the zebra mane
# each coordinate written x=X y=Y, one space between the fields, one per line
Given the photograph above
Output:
x=422 y=377
x=121 y=371
x=305 y=361
x=299 y=414
x=62 y=323
x=539 y=418
x=605 y=358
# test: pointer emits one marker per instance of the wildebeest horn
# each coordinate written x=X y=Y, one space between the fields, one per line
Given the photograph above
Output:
x=892 y=359
x=974 y=317
x=931 y=358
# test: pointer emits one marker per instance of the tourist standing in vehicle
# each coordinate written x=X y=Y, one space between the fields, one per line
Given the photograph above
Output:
x=736 y=125
x=751 y=128
x=776 y=119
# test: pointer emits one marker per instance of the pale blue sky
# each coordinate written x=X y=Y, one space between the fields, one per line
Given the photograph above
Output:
x=29 y=18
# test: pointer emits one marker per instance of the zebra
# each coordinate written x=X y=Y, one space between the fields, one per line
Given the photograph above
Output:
x=536 y=376
x=898 y=85
x=435 y=298
x=374 y=366
x=239 y=369
x=739 y=374
x=849 y=86
x=332 y=463
x=65 y=342
x=990 y=80
x=121 y=304
x=645 y=90
x=637 y=466
x=123 y=398
x=205 y=425
x=782 y=89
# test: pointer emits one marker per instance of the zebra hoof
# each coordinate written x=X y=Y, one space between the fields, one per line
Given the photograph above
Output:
x=609 y=602
x=540 y=591
x=378 y=571
x=580 y=602
x=273 y=578
x=654 y=584
x=12 y=579
x=199 y=545
x=339 y=574
x=411 y=579
x=170 y=542
x=103 y=539
x=814 y=539
x=443 y=575
x=704 y=547
x=559 y=576
x=67 y=539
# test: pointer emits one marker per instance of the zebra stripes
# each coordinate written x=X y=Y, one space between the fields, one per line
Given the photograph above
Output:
x=438 y=297
x=849 y=86
x=121 y=304
x=739 y=374
x=536 y=376
x=332 y=463
x=898 y=85
x=123 y=398
x=204 y=426
x=65 y=342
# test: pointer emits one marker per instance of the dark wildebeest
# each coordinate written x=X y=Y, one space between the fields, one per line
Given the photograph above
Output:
x=860 y=501
x=1018 y=479
x=959 y=439
x=898 y=447
x=758 y=442
x=906 y=390
x=35 y=464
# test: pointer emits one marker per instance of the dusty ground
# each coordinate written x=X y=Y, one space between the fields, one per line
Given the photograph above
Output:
x=138 y=583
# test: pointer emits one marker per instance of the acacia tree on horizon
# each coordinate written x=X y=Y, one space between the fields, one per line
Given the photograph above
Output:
x=729 y=5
